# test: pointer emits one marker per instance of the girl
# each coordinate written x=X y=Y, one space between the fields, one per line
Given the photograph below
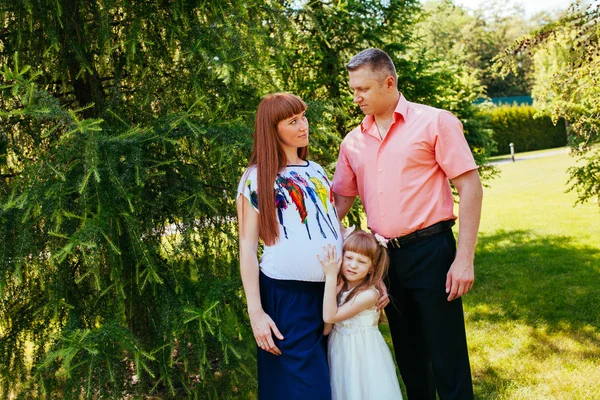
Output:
x=360 y=362
x=285 y=200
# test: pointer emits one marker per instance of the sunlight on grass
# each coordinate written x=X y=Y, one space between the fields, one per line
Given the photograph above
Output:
x=530 y=194
x=532 y=317
x=522 y=362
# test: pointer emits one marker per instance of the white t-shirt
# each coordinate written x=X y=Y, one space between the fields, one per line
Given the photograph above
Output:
x=307 y=221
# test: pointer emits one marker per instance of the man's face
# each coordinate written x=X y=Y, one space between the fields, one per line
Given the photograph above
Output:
x=371 y=93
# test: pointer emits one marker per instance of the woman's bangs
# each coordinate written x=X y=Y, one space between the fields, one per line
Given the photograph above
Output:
x=287 y=106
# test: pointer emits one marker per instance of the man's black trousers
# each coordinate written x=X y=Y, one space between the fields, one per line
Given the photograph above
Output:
x=427 y=330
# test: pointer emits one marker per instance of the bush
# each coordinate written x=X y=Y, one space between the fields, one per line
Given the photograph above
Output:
x=520 y=125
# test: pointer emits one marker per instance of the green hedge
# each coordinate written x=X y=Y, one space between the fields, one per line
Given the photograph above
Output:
x=516 y=124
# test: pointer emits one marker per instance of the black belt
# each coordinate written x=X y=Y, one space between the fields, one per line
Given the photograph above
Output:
x=402 y=241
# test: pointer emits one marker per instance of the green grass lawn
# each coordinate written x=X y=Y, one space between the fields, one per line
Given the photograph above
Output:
x=533 y=316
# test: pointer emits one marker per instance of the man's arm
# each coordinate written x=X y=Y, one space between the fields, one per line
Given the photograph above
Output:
x=461 y=274
x=343 y=204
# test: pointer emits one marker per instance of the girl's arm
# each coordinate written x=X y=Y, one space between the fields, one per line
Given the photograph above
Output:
x=261 y=322
x=331 y=267
x=360 y=302
x=327 y=329
x=331 y=312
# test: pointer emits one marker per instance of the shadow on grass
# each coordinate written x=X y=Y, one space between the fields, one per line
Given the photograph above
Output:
x=540 y=280
x=549 y=283
x=489 y=381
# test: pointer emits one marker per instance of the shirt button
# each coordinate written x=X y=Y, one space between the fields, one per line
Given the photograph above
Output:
x=380 y=170
x=383 y=214
x=381 y=192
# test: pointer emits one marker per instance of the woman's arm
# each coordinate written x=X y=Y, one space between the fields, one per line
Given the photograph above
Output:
x=262 y=324
x=338 y=289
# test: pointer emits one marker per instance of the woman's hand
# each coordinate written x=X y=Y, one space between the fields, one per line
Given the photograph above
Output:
x=330 y=263
x=262 y=325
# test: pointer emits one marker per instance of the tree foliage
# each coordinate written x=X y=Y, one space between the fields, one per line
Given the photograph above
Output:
x=117 y=264
x=125 y=126
x=116 y=259
x=567 y=55
x=328 y=34
x=475 y=38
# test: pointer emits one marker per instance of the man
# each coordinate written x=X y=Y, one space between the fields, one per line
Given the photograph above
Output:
x=399 y=160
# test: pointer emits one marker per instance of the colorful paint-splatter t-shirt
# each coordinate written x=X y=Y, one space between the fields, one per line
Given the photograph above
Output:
x=307 y=221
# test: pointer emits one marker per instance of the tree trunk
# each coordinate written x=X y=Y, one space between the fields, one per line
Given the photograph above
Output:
x=82 y=72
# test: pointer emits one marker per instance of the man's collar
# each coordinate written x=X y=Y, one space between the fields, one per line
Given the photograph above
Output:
x=401 y=110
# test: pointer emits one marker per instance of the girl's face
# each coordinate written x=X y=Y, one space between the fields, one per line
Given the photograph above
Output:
x=355 y=267
x=293 y=131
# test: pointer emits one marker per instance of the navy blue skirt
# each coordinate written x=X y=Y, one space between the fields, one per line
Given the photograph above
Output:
x=301 y=371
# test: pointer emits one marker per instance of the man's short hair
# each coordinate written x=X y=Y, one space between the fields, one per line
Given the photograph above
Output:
x=376 y=59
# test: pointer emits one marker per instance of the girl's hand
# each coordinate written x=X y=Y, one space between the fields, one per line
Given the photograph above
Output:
x=262 y=325
x=330 y=263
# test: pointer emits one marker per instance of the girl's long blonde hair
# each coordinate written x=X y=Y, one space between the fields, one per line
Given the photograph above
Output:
x=364 y=243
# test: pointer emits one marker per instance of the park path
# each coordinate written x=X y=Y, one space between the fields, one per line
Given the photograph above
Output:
x=531 y=156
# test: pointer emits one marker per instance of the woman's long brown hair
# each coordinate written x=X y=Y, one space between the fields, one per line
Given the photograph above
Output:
x=269 y=157
x=364 y=243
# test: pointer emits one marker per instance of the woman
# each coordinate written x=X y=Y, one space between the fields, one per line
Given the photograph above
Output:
x=286 y=201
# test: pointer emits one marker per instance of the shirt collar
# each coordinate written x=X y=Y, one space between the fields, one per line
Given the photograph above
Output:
x=401 y=110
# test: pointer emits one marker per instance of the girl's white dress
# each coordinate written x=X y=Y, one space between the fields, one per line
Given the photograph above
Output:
x=360 y=363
